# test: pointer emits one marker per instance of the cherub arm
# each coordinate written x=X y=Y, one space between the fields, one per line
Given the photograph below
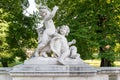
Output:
x=54 y=11
x=72 y=42
x=52 y=14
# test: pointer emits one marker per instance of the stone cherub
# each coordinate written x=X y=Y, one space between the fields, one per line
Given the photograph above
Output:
x=46 y=15
x=53 y=40
x=49 y=38
x=61 y=47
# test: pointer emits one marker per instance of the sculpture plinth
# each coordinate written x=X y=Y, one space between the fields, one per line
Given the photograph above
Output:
x=49 y=68
x=52 y=61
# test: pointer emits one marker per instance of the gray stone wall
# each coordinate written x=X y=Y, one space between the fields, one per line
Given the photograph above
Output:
x=4 y=74
x=103 y=73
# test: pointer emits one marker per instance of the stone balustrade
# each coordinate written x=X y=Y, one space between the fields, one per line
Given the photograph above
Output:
x=4 y=74
x=103 y=73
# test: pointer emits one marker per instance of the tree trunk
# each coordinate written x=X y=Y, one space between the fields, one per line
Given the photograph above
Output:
x=101 y=23
x=4 y=63
x=104 y=62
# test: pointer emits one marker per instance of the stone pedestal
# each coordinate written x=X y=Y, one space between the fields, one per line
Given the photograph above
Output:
x=4 y=74
x=39 y=68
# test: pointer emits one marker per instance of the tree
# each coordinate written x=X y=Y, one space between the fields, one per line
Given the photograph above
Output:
x=108 y=30
x=95 y=25
x=3 y=45
x=17 y=32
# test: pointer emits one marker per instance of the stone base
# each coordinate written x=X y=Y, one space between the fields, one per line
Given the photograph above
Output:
x=40 y=68
x=60 y=78
x=49 y=60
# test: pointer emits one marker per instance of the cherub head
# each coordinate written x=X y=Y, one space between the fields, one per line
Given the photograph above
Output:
x=44 y=10
x=64 y=30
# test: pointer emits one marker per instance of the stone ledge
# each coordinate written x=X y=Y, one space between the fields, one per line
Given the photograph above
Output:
x=52 y=61
x=52 y=74
x=40 y=66
x=109 y=70
x=82 y=69
x=5 y=70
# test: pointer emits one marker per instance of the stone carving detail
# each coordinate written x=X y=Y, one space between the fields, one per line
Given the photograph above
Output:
x=49 y=31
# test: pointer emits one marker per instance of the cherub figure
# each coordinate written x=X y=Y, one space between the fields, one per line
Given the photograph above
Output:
x=61 y=47
x=50 y=30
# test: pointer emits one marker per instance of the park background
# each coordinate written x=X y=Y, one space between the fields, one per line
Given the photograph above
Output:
x=95 y=24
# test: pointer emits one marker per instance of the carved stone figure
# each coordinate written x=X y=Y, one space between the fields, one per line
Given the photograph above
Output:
x=73 y=52
x=62 y=47
x=49 y=31
x=59 y=46
x=52 y=42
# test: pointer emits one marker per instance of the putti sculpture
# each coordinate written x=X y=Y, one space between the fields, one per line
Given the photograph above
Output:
x=52 y=41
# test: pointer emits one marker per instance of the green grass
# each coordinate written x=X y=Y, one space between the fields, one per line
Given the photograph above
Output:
x=96 y=63
x=117 y=63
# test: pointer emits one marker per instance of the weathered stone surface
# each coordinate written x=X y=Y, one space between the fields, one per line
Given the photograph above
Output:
x=4 y=74
x=40 y=66
x=49 y=60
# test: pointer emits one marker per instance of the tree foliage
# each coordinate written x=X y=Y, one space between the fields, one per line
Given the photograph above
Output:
x=17 y=32
x=95 y=24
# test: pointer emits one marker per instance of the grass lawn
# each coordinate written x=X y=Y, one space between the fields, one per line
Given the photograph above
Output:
x=96 y=63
